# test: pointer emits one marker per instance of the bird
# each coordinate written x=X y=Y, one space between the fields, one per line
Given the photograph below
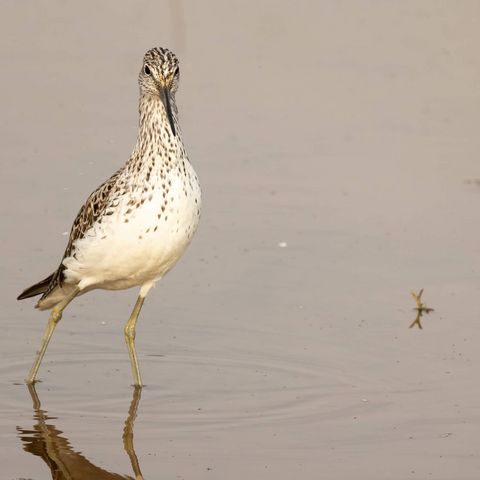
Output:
x=134 y=227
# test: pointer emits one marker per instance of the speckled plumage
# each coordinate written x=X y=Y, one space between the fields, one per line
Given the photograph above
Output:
x=135 y=226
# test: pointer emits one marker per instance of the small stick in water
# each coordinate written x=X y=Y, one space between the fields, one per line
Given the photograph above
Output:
x=421 y=309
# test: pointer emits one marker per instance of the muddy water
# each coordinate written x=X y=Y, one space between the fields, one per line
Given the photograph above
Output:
x=337 y=144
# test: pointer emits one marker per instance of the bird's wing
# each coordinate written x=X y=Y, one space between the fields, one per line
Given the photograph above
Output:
x=95 y=206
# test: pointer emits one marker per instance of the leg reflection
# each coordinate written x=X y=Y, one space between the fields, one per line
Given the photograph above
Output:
x=47 y=442
x=128 y=432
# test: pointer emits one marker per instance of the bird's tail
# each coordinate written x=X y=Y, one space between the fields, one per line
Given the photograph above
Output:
x=37 y=289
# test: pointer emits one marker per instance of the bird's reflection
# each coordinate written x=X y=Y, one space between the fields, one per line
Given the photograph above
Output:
x=46 y=441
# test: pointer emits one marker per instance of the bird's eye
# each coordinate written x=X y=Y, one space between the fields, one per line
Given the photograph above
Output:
x=147 y=70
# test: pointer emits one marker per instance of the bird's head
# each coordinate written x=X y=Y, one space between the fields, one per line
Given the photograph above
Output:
x=159 y=77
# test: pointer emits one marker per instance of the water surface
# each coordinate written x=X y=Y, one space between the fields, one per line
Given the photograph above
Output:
x=337 y=144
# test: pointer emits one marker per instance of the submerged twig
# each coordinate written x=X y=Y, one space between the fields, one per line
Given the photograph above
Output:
x=421 y=309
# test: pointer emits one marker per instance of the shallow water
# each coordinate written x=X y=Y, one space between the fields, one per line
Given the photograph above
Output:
x=337 y=144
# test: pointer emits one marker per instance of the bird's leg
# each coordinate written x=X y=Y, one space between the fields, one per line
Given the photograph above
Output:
x=55 y=317
x=130 y=334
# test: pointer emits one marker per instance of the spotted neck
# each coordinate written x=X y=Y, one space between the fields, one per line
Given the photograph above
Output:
x=155 y=136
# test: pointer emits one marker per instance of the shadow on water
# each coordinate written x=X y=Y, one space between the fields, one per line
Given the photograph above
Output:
x=45 y=440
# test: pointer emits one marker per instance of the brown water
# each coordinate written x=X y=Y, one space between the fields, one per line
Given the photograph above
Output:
x=337 y=144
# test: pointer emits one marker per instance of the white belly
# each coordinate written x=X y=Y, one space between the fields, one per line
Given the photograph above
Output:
x=138 y=243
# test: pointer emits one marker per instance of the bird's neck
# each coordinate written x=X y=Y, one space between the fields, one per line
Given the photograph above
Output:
x=155 y=136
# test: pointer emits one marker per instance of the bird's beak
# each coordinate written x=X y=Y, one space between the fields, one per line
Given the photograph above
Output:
x=165 y=97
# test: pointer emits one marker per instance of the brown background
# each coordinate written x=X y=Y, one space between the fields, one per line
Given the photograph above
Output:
x=348 y=130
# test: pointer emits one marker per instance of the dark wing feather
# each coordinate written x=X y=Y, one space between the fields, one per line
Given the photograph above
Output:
x=37 y=289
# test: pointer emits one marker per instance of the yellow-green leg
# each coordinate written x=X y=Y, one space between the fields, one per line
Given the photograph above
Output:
x=130 y=339
x=55 y=317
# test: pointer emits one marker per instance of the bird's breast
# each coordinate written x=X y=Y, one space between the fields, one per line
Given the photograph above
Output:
x=149 y=230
